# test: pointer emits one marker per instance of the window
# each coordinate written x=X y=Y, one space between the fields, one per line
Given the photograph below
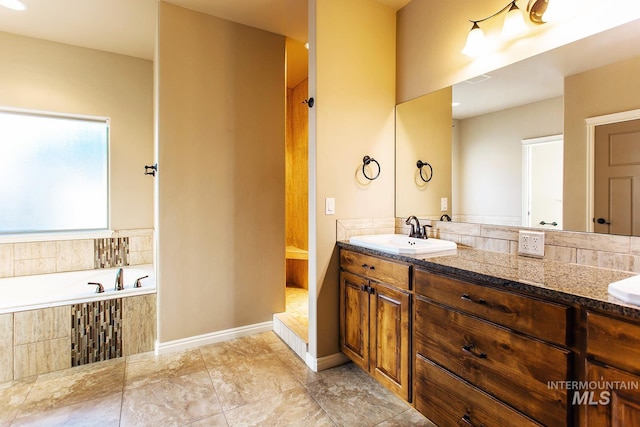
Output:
x=53 y=173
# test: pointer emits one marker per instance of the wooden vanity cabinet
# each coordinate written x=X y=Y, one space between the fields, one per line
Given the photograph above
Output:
x=613 y=366
x=375 y=318
x=500 y=347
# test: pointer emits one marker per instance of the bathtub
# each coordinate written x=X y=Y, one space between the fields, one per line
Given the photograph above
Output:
x=57 y=289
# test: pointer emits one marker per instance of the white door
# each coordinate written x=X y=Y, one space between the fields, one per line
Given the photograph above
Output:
x=542 y=182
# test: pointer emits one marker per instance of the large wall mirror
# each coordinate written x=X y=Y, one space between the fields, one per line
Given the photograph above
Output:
x=514 y=149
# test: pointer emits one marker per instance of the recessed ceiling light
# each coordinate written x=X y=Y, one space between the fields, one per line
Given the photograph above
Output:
x=455 y=104
x=13 y=4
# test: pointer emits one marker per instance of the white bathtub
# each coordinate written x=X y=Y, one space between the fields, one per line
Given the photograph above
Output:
x=55 y=289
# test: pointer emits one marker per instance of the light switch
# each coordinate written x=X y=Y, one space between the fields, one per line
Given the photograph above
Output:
x=444 y=204
x=330 y=206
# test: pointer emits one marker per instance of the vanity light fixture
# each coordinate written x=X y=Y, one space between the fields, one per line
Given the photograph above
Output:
x=514 y=26
x=13 y=4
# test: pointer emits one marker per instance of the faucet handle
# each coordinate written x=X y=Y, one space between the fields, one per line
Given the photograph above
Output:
x=99 y=287
x=424 y=231
x=137 y=284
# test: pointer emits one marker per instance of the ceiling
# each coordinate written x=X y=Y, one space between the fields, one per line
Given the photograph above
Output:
x=128 y=26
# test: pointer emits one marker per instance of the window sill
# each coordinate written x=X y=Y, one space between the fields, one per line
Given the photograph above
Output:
x=48 y=237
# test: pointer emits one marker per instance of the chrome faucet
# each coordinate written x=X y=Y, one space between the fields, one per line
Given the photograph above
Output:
x=119 y=280
x=137 y=284
x=417 y=231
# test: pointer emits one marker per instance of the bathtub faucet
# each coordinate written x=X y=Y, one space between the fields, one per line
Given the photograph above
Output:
x=119 y=280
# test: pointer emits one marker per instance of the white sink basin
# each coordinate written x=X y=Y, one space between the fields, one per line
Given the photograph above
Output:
x=627 y=290
x=402 y=244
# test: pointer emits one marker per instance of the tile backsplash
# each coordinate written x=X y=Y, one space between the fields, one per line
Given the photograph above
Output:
x=126 y=247
x=596 y=250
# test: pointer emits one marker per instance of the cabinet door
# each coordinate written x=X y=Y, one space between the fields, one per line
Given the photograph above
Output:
x=389 y=359
x=354 y=318
x=615 y=405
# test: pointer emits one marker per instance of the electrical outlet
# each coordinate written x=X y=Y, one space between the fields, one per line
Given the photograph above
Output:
x=531 y=243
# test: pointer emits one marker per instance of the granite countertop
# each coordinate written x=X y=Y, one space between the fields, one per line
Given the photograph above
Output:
x=563 y=282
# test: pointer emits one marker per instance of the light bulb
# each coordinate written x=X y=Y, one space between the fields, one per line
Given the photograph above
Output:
x=476 y=44
x=13 y=4
x=514 y=25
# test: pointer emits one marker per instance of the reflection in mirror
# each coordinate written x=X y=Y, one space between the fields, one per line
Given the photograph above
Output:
x=499 y=112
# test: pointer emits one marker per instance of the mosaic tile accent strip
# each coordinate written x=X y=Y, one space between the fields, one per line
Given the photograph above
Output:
x=111 y=252
x=96 y=331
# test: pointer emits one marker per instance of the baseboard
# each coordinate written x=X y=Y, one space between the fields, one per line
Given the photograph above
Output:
x=212 y=338
x=326 y=362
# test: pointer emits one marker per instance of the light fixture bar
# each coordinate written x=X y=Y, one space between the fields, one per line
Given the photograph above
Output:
x=514 y=26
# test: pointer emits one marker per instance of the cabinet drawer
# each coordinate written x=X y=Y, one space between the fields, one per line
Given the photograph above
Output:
x=378 y=269
x=541 y=319
x=614 y=341
x=448 y=400
x=511 y=367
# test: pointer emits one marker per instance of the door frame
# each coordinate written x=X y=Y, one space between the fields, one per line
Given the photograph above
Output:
x=591 y=123
x=526 y=173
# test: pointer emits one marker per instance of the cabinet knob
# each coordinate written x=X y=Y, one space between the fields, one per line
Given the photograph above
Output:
x=466 y=419
x=466 y=297
x=470 y=348
x=370 y=267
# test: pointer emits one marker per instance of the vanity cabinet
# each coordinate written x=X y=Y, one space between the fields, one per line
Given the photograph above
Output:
x=485 y=356
x=375 y=318
x=613 y=367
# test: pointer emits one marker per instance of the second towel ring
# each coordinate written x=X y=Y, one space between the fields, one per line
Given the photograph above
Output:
x=420 y=165
x=366 y=161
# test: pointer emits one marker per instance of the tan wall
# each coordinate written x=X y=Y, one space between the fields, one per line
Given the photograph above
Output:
x=221 y=134
x=423 y=131
x=352 y=77
x=47 y=76
x=606 y=90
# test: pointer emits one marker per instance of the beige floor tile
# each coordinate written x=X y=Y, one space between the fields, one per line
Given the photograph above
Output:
x=71 y=386
x=291 y=408
x=215 y=421
x=298 y=368
x=352 y=398
x=249 y=379
x=228 y=352
x=12 y=395
x=101 y=412
x=175 y=401
x=147 y=368
x=411 y=418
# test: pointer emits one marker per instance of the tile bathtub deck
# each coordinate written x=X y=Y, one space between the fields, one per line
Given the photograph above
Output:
x=251 y=381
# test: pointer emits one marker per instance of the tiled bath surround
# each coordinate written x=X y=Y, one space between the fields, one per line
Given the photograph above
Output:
x=38 y=341
x=96 y=331
x=595 y=250
x=126 y=247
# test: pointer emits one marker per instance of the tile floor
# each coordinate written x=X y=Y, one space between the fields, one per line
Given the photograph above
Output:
x=251 y=381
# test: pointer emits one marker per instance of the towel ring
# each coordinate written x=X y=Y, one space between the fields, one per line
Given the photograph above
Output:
x=366 y=160
x=420 y=165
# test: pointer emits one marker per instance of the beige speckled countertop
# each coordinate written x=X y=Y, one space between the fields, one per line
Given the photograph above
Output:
x=562 y=282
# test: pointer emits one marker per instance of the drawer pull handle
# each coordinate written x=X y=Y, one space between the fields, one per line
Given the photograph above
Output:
x=469 y=348
x=466 y=297
x=370 y=267
x=467 y=420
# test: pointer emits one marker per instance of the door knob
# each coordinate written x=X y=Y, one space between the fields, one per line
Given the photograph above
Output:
x=602 y=221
